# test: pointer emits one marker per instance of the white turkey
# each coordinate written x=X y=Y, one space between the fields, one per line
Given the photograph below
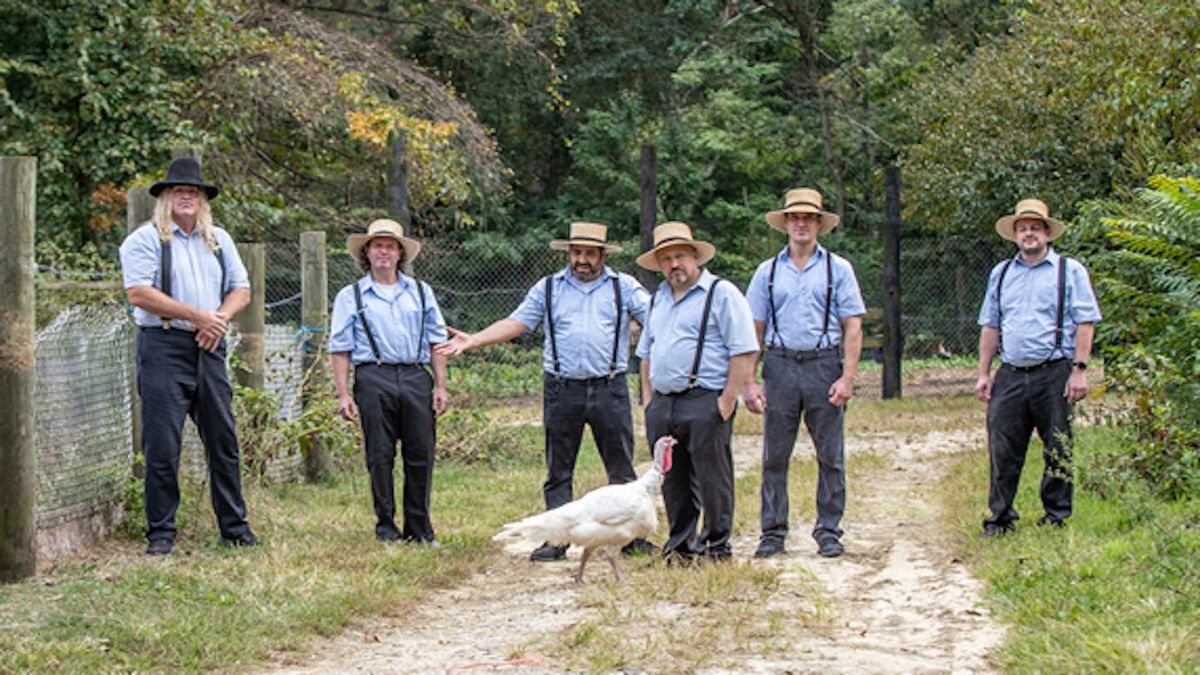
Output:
x=606 y=518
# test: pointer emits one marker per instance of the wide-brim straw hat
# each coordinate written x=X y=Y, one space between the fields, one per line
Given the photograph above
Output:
x=675 y=233
x=184 y=171
x=383 y=227
x=1029 y=208
x=802 y=200
x=586 y=234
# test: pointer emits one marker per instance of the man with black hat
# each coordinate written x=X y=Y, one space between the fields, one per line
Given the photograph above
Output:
x=1040 y=313
x=386 y=325
x=587 y=307
x=698 y=352
x=186 y=282
x=808 y=312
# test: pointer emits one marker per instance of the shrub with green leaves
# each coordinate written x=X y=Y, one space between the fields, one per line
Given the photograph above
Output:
x=1146 y=267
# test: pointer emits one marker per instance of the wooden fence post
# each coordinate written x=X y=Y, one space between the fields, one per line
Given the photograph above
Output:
x=18 y=336
x=251 y=323
x=314 y=319
x=893 y=336
x=139 y=208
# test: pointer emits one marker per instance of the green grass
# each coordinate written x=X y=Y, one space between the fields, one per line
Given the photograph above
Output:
x=1116 y=590
x=208 y=608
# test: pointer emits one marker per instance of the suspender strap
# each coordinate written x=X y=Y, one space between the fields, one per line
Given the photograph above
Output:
x=550 y=325
x=712 y=290
x=1062 y=292
x=771 y=302
x=1062 y=285
x=362 y=316
x=165 y=258
x=612 y=364
x=828 y=297
x=828 y=301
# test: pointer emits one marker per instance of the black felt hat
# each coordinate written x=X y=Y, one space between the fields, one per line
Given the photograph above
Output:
x=184 y=171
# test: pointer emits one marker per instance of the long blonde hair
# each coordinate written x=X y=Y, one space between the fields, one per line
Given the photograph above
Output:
x=162 y=218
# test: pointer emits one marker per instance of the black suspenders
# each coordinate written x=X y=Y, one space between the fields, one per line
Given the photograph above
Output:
x=612 y=363
x=828 y=300
x=362 y=316
x=1062 y=292
x=164 y=266
x=712 y=290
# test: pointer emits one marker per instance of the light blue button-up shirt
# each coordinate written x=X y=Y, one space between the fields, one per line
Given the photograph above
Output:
x=1030 y=315
x=395 y=322
x=195 y=271
x=585 y=321
x=669 y=339
x=800 y=300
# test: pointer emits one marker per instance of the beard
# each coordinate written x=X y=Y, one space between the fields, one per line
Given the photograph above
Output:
x=585 y=272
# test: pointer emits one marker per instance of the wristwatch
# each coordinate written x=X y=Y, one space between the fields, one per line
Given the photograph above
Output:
x=1081 y=365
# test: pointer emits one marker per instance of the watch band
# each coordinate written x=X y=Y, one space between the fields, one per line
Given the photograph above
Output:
x=1081 y=365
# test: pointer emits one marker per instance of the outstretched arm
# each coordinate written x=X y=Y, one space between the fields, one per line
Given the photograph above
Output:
x=501 y=331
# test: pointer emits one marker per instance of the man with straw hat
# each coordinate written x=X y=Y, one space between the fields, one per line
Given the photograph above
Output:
x=698 y=352
x=587 y=308
x=1040 y=313
x=808 y=312
x=186 y=282
x=386 y=325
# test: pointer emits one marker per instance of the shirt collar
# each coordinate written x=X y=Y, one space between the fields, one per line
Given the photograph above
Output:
x=818 y=253
x=565 y=274
x=1051 y=258
x=367 y=283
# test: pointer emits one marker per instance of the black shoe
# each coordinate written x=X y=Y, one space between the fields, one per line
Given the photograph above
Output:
x=1051 y=521
x=160 y=547
x=547 y=553
x=678 y=559
x=993 y=530
x=243 y=540
x=639 y=547
x=830 y=547
x=768 y=548
x=431 y=543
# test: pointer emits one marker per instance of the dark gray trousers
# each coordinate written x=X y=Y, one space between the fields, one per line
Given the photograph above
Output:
x=603 y=404
x=395 y=402
x=798 y=385
x=701 y=475
x=1024 y=400
x=178 y=379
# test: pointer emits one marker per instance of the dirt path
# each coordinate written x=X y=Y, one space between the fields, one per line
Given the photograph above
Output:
x=897 y=601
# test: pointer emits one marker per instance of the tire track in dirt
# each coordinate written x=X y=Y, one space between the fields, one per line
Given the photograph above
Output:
x=897 y=601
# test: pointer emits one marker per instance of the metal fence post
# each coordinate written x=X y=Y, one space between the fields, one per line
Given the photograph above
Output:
x=18 y=336
x=314 y=317
x=251 y=323
x=893 y=337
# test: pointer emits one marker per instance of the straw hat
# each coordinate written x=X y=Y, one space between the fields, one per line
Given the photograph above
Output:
x=586 y=234
x=183 y=171
x=675 y=233
x=1029 y=208
x=802 y=200
x=383 y=228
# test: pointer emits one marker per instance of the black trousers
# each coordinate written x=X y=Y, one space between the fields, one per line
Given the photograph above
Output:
x=701 y=477
x=796 y=385
x=1024 y=400
x=178 y=379
x=395 y=402
x=601 y=403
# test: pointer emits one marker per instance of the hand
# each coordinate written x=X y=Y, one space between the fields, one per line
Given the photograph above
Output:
x=441 y=401
x=726 y=404
x=755 y=399
x=983 y=388
x=458 y=343
x=841 y=391
x=211 y=328
x=347 y=407
x=1077 y=386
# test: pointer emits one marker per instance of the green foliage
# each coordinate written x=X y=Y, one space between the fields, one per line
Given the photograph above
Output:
x=1145 y=263
x=1082 y=98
